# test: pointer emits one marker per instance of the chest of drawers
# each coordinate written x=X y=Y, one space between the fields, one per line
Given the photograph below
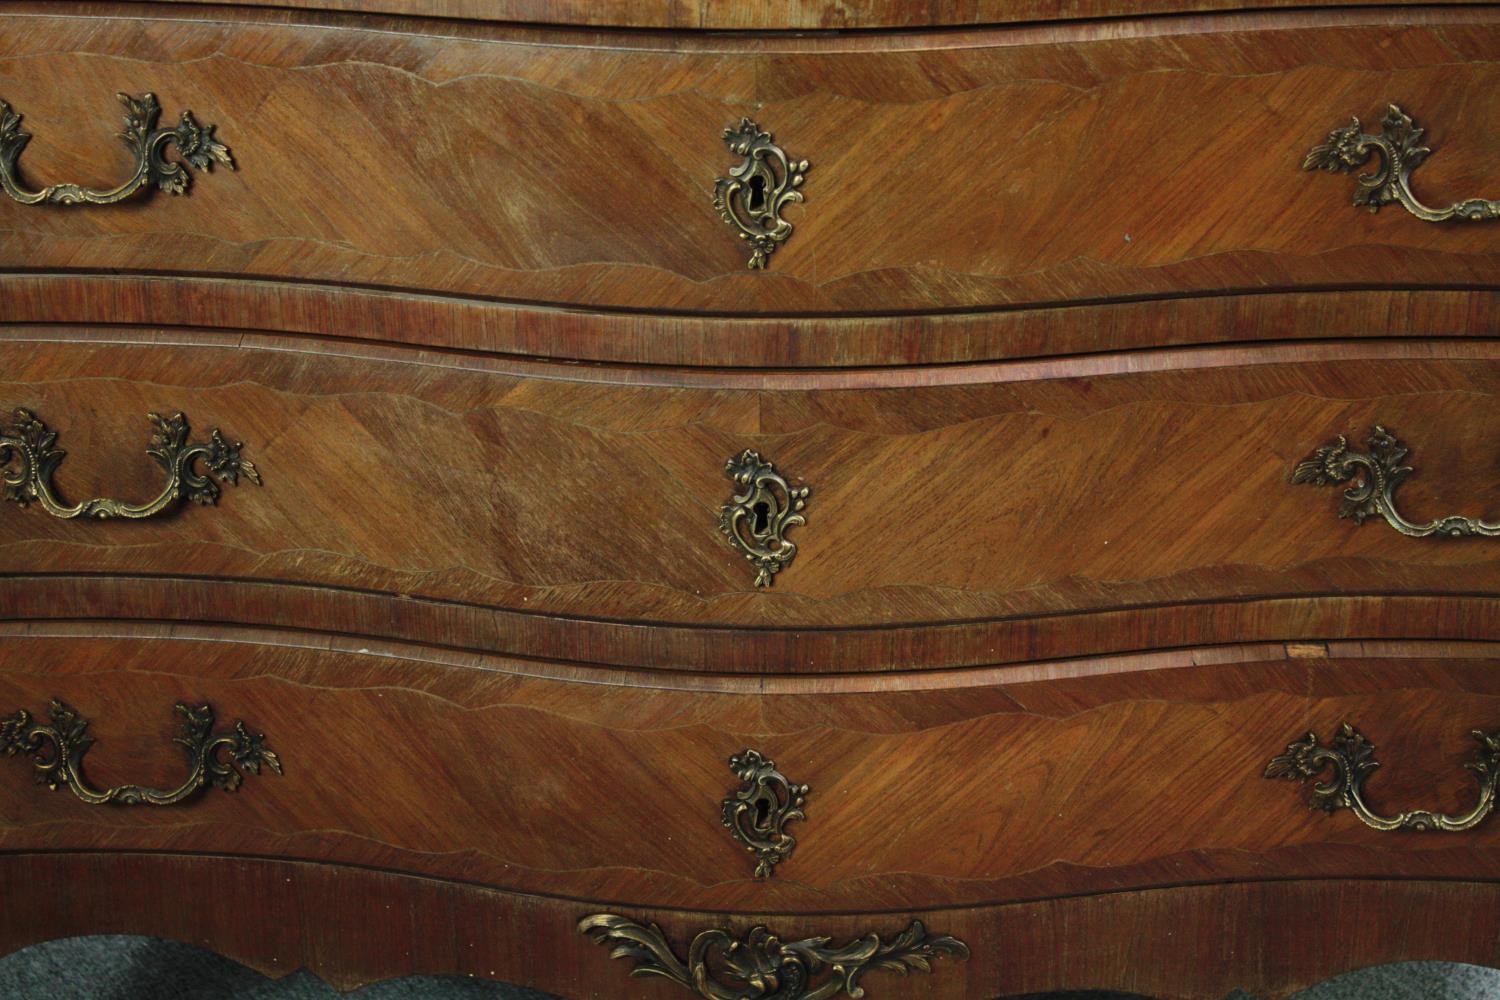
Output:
x=940 y=593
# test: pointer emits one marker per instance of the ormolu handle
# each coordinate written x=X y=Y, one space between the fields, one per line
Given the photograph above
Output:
x=1348 y=148
x=195 y=144
x=1352 y=758
x=1380 y=471
x=29 y=443
x=66 y=732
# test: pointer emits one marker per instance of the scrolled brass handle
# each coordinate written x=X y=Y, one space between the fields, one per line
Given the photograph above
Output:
x=195 y=144
x=66 y=733
x=29 y=444
x=1348 y=148
x=1352 y=758
x=1376 y=475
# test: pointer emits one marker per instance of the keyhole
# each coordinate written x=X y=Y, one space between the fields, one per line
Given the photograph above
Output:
x=762 y=812
x=762 y=511
x=757 y=193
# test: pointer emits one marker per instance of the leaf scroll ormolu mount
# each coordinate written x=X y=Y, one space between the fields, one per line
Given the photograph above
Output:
x=1375 y=475
x=66 y=732
x=758 y=965
x=195 y=143
x=28 y=445
x=1348 y=148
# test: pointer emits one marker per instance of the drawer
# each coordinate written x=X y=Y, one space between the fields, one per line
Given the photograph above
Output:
x=948 y=172
x=923 y=790
x=955 y=517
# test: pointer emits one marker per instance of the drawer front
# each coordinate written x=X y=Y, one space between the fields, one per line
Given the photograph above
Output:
x=944 y=175
x=921 y=790
x=405 y=488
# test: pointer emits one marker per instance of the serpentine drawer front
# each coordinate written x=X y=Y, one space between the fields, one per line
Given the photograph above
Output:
x=999 y=514
x=914 y=792
x=611 y=198
x=651 y=498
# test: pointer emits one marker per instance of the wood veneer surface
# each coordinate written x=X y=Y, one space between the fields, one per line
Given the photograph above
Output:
x=239 y=305
x=950 y=172
x=1016 y=784
x=780 y=14
x=353 y=926
x=953 y=495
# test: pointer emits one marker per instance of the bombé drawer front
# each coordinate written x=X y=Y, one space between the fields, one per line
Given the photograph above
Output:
x=767 y=796
x=850 y=521
x=696 y=173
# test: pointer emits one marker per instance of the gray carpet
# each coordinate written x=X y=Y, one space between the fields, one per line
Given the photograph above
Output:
x=117 y=967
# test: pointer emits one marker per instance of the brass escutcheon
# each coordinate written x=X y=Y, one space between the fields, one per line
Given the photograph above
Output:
x=752 y=197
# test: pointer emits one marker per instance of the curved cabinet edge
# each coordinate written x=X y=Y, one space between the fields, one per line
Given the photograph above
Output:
x=1268 y=938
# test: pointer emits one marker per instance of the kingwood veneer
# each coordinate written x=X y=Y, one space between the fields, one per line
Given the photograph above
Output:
x=1056 y=323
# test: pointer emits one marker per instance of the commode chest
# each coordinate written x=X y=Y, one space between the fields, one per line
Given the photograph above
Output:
x=794 y=494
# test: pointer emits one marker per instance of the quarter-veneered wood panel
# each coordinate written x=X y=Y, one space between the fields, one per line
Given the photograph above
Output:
x=1031 y=781
x=941 y=495
x=1041 y=165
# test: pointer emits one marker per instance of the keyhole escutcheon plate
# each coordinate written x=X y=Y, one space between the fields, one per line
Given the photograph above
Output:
x=759 y=810
x=760 y=513
x=764 y=182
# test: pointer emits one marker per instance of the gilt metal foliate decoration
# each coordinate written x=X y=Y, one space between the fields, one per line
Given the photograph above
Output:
x=751 y=198
x=196 y=145
x=757 y=813
x=757 y=519
x=213 y=758
x=760 y=966
x=1349 y=148
x=1376 y=475
x=28 y=458
x=1352 y=758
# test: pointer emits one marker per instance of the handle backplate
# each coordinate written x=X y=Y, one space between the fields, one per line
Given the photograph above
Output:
x=1376 y=474
x=1352 y=760
x=66 y=734
x=195 y=144
x=1399 y=144
x=28 y=457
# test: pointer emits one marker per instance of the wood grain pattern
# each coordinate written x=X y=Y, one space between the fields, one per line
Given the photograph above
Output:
x=969 y=789
x=939 y=495
x=577 y=170
x=761 y=15
x=353 y=926
x=237 y=305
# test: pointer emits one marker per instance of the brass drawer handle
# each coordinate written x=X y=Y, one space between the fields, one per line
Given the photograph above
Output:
x=1349 y=147
x=195 y=143
x=723 y=966
x=66 y=732
x=29 y=443
x=751 y=198
x=1352 y=758
x=1380 y=472
x=758 y=811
